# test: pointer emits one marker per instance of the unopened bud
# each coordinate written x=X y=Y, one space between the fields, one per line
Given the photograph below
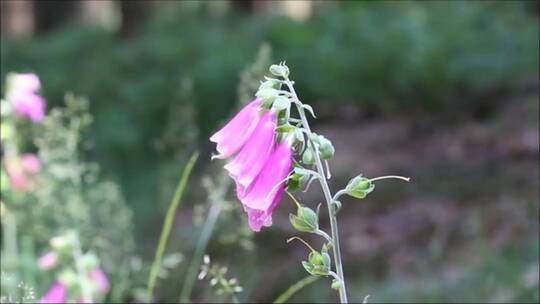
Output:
x=279 y=70
x=359 y=187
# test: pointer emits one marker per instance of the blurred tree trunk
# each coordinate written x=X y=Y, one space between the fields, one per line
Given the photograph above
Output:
x=133 y=16
x=17 y=18
x=50 y=15
x=246 y=6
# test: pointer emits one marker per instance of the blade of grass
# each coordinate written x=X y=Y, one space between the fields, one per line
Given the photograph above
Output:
x=167 y=225
x=206 y=232
x=294 y=289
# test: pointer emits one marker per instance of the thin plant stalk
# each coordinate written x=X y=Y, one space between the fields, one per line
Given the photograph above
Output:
x=293 y=289
x=167 y=225
x=206 y=233
x=81 y=272
x=327 y=196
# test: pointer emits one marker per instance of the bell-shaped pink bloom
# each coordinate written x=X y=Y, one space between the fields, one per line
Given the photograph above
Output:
x=265 y=192
x=237 y=131
x=28 y=104
x=48 y=260
x=56 y=294
x=30 y=163
x=15 y=172
x=100 y=278
x=252 y=157
x=22 y=93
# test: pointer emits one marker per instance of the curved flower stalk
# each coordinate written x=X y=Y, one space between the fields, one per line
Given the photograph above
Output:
x=293 y=139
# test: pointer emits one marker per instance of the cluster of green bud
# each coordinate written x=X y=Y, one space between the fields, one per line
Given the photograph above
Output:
x=359 y=187
x=305 y=220
x=298 y=178
x=318 y=263
x=323 y=145
x=280 y=70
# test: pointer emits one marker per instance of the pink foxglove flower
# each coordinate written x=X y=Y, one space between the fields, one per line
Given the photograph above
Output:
x=20 y=170
x=237 y=131
x=56 y=294
x=265 y=192
x=248 y=163
x=30 y=163
x=48 y=260
x=22 y=93
x=98 y=276
x=15 y=172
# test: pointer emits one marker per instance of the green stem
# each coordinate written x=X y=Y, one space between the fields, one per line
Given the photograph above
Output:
x=81 y=272
x=167 y=225
x=327 y=195
x=294 y=289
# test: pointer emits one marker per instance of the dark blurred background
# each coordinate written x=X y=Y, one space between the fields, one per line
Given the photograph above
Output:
x=445 y=92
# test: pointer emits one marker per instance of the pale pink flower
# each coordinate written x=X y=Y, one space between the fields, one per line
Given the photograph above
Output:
x=15 y=172
x=265 y=192
x=48 y=260
x=30 y=163
x=56 y=294
x=100 y=278
x=237 y=131
x=248 y=163
x=22 y=93
x=20 y=169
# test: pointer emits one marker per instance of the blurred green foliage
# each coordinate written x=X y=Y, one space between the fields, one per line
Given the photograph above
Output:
x=380 y=54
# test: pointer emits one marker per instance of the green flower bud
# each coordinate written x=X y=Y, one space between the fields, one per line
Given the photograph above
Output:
x=326 y=148
x=319 y=263
x=68 y=277
x=307 y=157
x=298 y=179
x=306 y=220
x=267 y=95
x=270 y=84
x=336 y=284
x=281 y=103
x=359 y=187
x=279 y=70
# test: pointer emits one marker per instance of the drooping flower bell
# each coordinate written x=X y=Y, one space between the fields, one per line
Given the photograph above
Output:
x=237 y=131
x=48 y=260
x=265 y=193
x=252 y=157
x=22 y=93
x=56 y=294
x=100 y=279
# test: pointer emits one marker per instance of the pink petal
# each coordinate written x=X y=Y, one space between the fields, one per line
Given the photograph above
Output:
x=265 y=192
x=16 y=174
x=248 y=163
x=100 y=278
x=237 y=131
x=30 y=163
x=56 y=294
x=48 y=260
x=28 y=104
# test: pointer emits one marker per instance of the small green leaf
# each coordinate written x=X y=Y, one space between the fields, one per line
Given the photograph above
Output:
x=310 y=109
